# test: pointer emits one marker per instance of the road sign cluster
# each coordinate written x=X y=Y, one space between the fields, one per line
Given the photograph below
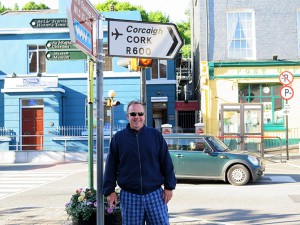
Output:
x=63 y=50
x=286 y=78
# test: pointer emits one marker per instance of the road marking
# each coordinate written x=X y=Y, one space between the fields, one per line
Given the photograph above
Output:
x=276 y=179
x=186 y=219
x=13 y=182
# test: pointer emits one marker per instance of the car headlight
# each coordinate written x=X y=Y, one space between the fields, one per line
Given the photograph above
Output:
x=253 y=160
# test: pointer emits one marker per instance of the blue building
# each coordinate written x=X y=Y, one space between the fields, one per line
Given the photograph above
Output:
x=44 y=100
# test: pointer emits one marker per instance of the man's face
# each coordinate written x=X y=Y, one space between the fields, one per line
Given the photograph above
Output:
x=136 y=121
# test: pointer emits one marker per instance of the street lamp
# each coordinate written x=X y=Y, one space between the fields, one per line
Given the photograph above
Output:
x=111 y=95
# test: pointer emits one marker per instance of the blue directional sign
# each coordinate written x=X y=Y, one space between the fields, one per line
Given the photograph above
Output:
x=83 y=35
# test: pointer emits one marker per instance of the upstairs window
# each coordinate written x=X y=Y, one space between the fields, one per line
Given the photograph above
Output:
x=240 y=35
x=159 y=69
x=298 y=30
x=37 y=58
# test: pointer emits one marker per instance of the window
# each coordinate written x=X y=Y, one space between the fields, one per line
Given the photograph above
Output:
x=107 y=65
x=37 y=58
x=298 y=30
x=159 y=69
x=269 y=95
x=240 y=35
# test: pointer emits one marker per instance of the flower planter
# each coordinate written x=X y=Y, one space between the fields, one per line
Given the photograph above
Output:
x=113 y=220
x=91 y=221
x=108 y=220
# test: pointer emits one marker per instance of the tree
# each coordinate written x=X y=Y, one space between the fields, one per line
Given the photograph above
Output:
x=3 y=8
x=184 y=29
x=33 y=6
x=126 y=6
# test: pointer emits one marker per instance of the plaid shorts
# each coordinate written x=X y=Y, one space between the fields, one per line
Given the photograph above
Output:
x=149 y=208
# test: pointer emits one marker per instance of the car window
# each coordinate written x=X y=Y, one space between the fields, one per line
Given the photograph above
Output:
x=217 y=144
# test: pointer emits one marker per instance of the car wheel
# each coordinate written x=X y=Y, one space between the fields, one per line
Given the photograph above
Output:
x=238 y=175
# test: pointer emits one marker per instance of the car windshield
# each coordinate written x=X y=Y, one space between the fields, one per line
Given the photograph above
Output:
x=217 y=144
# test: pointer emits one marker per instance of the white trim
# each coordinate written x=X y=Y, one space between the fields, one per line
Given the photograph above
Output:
x=33 y=30
x=159 y=81
x=15 y=90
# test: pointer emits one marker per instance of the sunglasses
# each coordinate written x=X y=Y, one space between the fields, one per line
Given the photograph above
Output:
x=136 y=113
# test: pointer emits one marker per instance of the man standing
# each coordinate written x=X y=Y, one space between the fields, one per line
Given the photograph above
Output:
x=140 y=163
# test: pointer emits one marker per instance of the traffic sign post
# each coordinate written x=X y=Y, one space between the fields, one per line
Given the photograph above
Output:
x=137 y=39
x=49 y=23
x=65 y=55
x=286 y=92
x=286 y=78
x=82 y=20
x=60 y=45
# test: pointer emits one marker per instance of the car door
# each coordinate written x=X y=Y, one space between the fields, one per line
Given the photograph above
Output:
x=196 y=162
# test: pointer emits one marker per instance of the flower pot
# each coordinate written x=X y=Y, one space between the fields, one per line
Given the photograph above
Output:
x=113 y=219
x=91 y=221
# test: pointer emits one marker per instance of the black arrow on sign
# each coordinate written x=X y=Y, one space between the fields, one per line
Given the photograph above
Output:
x=175 y=41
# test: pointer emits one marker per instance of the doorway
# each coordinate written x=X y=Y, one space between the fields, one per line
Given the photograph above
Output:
x=242 y=125
x=32 y=128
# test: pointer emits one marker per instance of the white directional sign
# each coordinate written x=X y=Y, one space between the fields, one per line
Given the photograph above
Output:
x=143 y=40
x=286 y=92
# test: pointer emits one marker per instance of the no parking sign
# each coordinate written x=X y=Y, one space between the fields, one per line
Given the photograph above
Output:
x=286 y=78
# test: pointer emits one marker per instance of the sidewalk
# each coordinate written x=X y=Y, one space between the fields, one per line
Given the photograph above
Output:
x=58 y=216
x=54 y=216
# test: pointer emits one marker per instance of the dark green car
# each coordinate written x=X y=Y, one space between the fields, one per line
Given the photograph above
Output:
x=206 y=157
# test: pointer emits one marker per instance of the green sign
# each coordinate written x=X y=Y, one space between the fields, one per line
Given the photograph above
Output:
x=65 y=55
x=60 y=45
x=49 y=23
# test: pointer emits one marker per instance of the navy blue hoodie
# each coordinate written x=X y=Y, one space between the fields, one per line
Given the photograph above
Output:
x=139 y=162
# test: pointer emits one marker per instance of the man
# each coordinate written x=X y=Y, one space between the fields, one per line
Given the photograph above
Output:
x=140 y=163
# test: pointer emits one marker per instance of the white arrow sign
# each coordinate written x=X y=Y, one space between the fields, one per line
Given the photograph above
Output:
x=143 y=40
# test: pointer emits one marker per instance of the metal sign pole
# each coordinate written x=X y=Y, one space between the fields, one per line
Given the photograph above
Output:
x=100 y=133
x=287 y=134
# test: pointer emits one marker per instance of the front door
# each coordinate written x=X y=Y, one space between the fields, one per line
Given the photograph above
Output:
x=32 y=128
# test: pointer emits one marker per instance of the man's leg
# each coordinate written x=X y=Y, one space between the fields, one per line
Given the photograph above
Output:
x=156 y=209
x=132 y=209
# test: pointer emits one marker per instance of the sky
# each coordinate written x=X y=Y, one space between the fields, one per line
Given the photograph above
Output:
x=175 y=9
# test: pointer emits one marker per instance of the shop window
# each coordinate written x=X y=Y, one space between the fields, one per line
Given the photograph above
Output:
x=37 y=58
x=159 y=69
x=240 y=35
x=268 y=95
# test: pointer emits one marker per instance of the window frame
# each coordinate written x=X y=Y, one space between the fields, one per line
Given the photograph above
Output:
x=39 y=52
x=244 y=46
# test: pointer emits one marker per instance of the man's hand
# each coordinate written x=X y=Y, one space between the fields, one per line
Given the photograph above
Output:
x=112 y=199
x=167 y=195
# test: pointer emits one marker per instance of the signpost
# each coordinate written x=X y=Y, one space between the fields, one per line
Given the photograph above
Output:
x=65 y=55
x=137 y=39
x=49 y=23
x=83 y=25
x=286 y=92
x=60 y=45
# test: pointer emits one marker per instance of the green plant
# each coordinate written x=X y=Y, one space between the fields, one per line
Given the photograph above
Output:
x=83 y=204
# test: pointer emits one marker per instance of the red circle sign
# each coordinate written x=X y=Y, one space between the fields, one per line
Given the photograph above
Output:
x=286 y=92
x=286 y=78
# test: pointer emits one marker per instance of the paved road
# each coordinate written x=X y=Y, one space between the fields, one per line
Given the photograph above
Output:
x=36 y=194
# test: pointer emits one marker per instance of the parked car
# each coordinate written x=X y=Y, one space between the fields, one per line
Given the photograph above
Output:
x=206 y=157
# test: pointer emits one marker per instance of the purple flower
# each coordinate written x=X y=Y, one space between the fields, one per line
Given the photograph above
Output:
x=68 y=204
x=89 y=203
x=95 y=204
x=110 y=210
